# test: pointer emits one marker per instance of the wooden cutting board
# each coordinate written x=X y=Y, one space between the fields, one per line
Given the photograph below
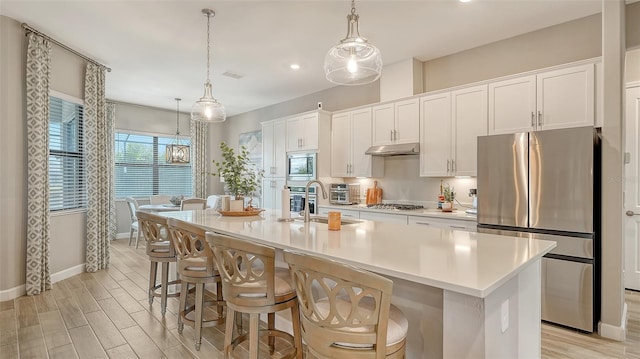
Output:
x=374 y=195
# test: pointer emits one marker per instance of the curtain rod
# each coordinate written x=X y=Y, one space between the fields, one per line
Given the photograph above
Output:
x=30 y=29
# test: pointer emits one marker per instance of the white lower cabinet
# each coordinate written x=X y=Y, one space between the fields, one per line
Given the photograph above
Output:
x=344 y=213
x=443 y=223
x=383 y=217
x=271 y=194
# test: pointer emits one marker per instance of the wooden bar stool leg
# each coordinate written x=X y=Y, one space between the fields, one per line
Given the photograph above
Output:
x=184 y=291
x=297 y=333
x=254 y=318
x=271 y=324
x=152 y=280
x=219 y=298
x=228 y=332
x=164 y=289
x=199 y=304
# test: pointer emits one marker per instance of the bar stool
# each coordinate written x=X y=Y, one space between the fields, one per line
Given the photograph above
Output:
x=196 y=266
x=252 y=284
x=159 y=250
x=346 y=311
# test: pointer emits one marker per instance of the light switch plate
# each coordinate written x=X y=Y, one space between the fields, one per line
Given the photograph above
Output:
x=504 y=315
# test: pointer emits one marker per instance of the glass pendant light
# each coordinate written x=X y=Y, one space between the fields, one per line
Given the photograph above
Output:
x=353 y=61
x=177 y=153
x=208 y=109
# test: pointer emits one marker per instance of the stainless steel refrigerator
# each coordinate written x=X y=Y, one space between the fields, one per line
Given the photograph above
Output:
x=545 y=185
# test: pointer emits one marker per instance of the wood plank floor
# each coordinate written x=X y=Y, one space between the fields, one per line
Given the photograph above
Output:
x=107 y=315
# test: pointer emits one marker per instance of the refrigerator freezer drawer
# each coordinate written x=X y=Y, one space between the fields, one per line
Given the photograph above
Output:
x=567 y=293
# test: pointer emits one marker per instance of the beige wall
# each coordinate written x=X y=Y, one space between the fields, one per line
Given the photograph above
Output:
x=67 y=230
x=12 y=156
x=571 y=41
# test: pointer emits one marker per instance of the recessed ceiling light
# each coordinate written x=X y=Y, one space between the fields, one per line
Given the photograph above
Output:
x=294 y=67
x=465 y=0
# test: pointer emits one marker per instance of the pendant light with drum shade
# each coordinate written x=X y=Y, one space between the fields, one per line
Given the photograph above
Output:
x=353 y=61
x=207 y=109
x=177 y=153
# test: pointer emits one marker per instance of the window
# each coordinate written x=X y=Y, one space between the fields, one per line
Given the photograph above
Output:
x=67 y=188
x=141 y=169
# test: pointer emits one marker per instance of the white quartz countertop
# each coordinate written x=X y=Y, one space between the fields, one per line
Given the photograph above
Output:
x=458 y=214
x=471 y=263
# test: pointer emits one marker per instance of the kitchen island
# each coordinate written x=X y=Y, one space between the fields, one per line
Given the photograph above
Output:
x=466 y=295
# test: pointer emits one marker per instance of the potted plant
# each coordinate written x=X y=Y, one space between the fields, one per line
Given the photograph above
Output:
x=449 y=196
x=241 y=177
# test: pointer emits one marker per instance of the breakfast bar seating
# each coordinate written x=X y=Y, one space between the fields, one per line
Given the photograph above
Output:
x=346 y=311
x=160 y=250
x=252 y=284
x=196 y=266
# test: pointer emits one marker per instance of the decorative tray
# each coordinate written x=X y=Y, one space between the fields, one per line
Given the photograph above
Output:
x=253 y=212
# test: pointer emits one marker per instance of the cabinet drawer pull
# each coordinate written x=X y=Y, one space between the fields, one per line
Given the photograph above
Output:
x=448 y=167
x=458 y=227
x=347 y=215
x=423 y=223
x=391 y=135
x=395 y=135
x=453 y=166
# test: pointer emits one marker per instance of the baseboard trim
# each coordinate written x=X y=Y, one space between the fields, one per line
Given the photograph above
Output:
x=613 y=332
x=19 y=291
x=122 y=235
x=67 y=273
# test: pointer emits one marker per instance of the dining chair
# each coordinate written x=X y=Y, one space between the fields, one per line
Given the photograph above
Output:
x=196 y=266
x=346 y=311
x=159 y=250
x=159 y=199
x=193 y=204
x=251 y=283
x=132 y=204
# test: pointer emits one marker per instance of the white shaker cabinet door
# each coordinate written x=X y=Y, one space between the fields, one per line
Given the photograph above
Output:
x=268 y=155
x=271 y=193
x=435 y=135
x=407 y=121
x=566 y=98
x=361 y=130
x=383 y=124
x=280 y=149
x=469 y=118
x=383 y=217
x=340 y=141
x=512 y=105
x=295 y=132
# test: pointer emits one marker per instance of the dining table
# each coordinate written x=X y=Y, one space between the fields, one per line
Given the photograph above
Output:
x=165 y=207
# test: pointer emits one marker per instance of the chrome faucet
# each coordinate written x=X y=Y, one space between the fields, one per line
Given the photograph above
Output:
x=307 y=217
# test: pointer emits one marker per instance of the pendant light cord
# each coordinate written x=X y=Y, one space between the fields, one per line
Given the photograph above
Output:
x=177 y=117
x=208 y=45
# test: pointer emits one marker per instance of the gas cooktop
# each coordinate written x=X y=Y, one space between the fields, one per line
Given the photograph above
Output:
x=404 y=207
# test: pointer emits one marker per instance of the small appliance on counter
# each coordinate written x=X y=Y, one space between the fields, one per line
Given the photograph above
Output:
x=344 y=193
x=473 y=192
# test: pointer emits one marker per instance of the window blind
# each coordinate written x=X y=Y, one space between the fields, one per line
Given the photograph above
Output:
x=67 y=189
x=141 y=169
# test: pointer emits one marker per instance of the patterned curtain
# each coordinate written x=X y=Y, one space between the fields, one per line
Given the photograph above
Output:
x=199 y=158
x=99 y=164
x=38 y=74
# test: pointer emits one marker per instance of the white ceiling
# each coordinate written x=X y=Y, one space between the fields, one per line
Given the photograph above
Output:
x=157 y=49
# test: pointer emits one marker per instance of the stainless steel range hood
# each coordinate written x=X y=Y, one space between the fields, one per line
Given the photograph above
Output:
x=394 y=150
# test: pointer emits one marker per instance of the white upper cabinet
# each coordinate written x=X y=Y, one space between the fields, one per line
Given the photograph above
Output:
x=566 y=98
x=512 y=105
x=302 y=133
x=450 y=125
x=435 y=135
x=469 y=120
x=350 y=139
x=274 y=156
x=340 y=144
x=396 y=122
x=555 y=99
